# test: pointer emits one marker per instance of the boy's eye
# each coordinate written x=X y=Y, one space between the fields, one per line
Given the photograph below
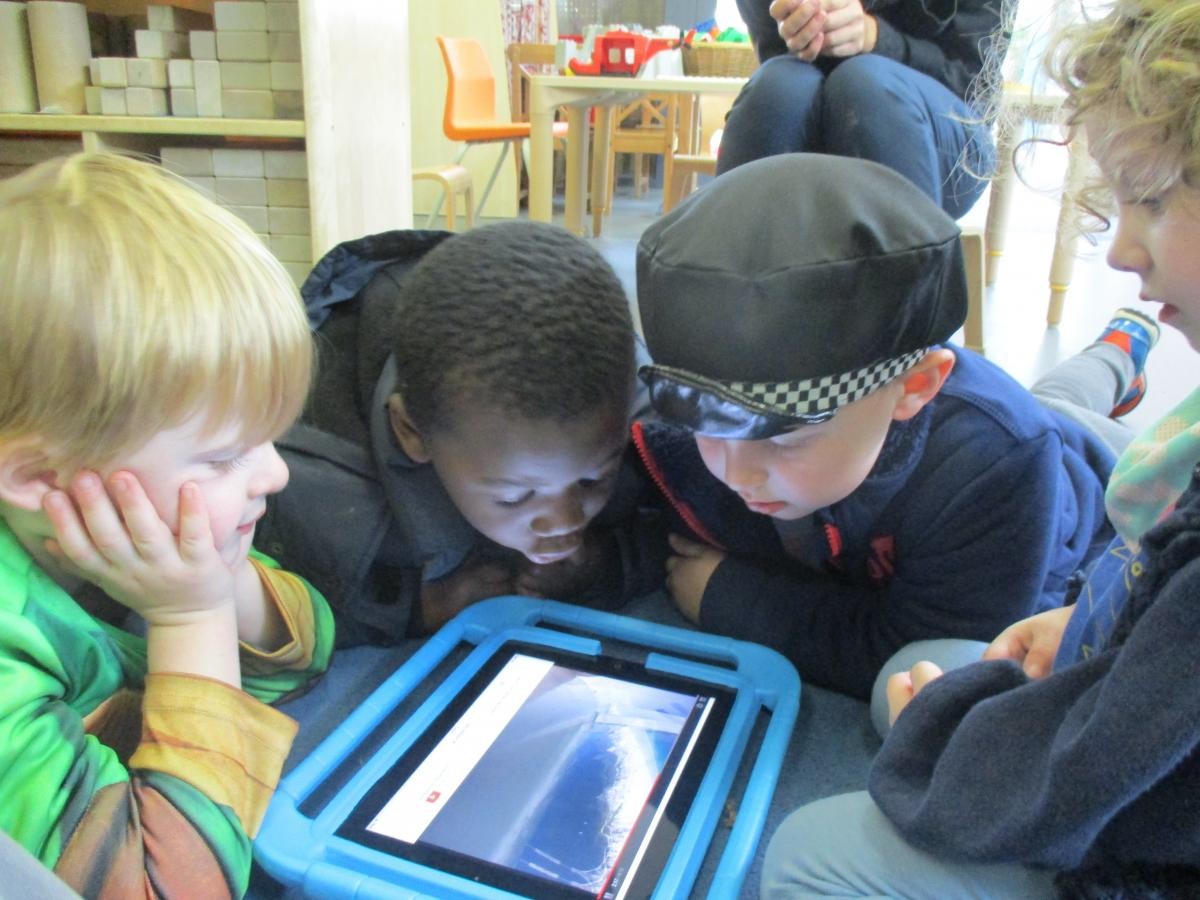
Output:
x=514 y=501
x=590 y=484
x=229 y=465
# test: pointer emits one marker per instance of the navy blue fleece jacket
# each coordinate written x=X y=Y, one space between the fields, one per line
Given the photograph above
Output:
x=977 y=513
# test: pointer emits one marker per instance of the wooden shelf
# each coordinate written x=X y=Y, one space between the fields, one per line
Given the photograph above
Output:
x=265 y=128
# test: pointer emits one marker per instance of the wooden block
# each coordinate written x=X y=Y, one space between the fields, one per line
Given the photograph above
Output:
x=254 y=216
x=240 y=15
x=183 y=102
x=288 y=220
x=173 y=18
x=287 y=192
x=205 y=184
x=145 y=101
x=207 y=73
x=246 y=76
x=238 y=163
x=291 y=247
x=247 y=46
x=283 y=46
x=112 y=102
x=160 y=44
x=203 y=44
x=188 y=161
x=146 y=73
x=283 y=16
x=236 y=104
x=289 y=104
x=242 y=191
x=181 y=73
x=286 y=164
x=286 y=76
x=28 y=152
x=91 y=100
x=298 y=271
x=108 y=71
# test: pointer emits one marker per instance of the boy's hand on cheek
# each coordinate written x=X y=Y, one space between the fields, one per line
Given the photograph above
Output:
x=566 y=579
x=475 y=580
x=116 y=539
x=688 y=572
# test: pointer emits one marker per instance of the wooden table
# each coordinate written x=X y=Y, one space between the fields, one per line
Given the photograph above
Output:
x=580 y=93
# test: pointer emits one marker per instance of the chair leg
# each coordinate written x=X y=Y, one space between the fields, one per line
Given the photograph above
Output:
x=600 y=172
x=1065 y=233
x=1000 y=196
x=492 y=179
x=973 y=255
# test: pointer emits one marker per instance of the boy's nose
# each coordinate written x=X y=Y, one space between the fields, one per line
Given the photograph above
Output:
x=743 y=470
x=270 y=473
x=561 y=517
x=1125 y=253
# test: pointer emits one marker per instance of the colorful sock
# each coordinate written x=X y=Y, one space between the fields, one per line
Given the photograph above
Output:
x=1134 y=333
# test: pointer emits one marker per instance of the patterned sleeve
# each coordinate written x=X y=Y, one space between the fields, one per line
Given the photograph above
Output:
x=155 y=792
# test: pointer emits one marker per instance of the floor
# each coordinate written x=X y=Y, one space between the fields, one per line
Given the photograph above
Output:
x=1016 y=334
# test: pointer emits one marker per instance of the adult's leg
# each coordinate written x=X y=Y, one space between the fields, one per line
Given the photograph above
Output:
x=844 y=846
x=879 y=109
x=776 y=112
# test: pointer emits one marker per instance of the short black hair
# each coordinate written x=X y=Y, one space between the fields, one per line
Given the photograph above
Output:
x=521 y=317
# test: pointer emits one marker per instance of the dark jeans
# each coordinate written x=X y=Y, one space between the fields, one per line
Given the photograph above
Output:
x=868 y=107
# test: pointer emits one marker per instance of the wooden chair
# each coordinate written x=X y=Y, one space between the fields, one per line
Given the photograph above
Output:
x=701 y=157
x=526 y=54
x=1018 y=106
x=456 y=182
x=470 y=112
x=652 y=133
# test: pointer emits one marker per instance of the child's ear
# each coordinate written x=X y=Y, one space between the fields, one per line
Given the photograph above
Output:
x=27 y=474
x=922 y=382
x=406 y=433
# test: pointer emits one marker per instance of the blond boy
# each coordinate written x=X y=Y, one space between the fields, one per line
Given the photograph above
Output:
x=150 y=349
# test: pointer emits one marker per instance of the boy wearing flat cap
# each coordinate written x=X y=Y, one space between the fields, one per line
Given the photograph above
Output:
x=846 y=481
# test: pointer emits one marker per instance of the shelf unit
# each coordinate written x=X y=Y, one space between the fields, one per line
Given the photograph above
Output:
x=356 y=132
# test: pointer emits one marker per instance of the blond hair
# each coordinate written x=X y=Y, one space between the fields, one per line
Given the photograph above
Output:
x=1132 y=78
x=130 y=303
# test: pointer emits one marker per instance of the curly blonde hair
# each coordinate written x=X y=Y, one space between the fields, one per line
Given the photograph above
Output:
x=130 y=303
x=1132 y=78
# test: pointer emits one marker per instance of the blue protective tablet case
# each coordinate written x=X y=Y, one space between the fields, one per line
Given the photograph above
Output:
x=302 y=850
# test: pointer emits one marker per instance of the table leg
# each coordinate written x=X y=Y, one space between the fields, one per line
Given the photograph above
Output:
x=541 y=154
x=600 y=169
x=577 y=159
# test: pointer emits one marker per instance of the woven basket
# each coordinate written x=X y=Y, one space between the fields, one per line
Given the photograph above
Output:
x=719 y=59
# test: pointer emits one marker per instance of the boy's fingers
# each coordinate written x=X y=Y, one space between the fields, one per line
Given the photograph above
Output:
x=923 y=673
x=101 y=521
x=683 y=546
x=142 y=523
x=195 y=532
x=71 y=537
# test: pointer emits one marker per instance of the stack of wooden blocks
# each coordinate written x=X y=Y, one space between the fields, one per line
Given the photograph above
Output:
x=267 y=189
x=241 y=63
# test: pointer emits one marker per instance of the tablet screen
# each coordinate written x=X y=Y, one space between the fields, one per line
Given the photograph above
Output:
x=552 y=775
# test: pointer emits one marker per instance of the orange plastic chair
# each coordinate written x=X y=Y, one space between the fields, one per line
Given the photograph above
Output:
x=470 y=113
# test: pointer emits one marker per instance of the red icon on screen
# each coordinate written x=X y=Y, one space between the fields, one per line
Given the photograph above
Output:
x=433 y=797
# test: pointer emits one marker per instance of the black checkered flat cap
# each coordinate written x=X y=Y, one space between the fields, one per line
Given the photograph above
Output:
x=791 y=286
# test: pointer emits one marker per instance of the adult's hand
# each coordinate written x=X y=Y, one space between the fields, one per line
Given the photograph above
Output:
x=848 y=30
x=801 y=25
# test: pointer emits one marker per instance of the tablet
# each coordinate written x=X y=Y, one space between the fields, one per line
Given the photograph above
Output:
x=551 y=775
x=537 y=749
